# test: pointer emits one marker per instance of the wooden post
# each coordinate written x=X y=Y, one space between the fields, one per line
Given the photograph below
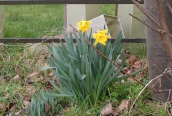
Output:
x=1 y=20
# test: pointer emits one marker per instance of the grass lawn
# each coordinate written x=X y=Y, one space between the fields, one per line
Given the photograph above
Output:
x=25 y=60
x=35 y=21
x=32 y=21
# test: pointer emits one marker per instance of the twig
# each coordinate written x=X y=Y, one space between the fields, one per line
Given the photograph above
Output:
x=167 y=110
x=2 y=57
x=161 y=24
x=159 y=69
x=161 y=36
x=165 y=72
x=18 y=62
x=144 y=23
x=111 y=60
x=169 y=94
x=147 y=13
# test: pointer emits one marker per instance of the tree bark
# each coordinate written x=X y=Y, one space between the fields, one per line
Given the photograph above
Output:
x=157 y=54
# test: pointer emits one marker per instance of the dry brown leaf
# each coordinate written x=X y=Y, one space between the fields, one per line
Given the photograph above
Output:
x=43 y=56
x=160 y=105
x=47 y=107
x=18 y=113
x=132 y=59
x=137 y=65
x=51 y=74
x=126 y=69
x=124 y=105
x=119 y=62
x=56 y=81
x=6 y=96
x=27 y=84
x=28 y=61
x=129 y=71
x=127 y=61
x=44 y=80
x=26 y=103
x=37 y=80
x=3 y=107
x=12 y=108
x=16 y=78
x=29 y=81
x=9 y=106
x=150 y=103
x=107 y=110
x=35 y=74
x=144 y=71
x=18 y=70
x=30 y=90
x=28 y=98
x=20 y=96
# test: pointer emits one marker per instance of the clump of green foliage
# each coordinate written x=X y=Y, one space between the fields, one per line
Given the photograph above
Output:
x=83 y=73
x=41 y=104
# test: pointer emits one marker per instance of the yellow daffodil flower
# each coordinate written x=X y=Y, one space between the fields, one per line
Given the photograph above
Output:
x=101 y=37
x=84 y=25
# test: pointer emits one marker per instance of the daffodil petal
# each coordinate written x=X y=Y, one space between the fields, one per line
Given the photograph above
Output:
x=104 y=43
x=83 y=25
x=101 y=37
x=105 y=31
x=88 y=22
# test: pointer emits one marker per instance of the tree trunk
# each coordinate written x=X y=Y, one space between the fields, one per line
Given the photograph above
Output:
x=157 y=54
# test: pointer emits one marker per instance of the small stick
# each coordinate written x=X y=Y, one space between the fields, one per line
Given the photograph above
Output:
x=167 y=110
x=165 y=72
x=147 y=13
x=159 y=69
x=144 y=23
x=169 y=94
